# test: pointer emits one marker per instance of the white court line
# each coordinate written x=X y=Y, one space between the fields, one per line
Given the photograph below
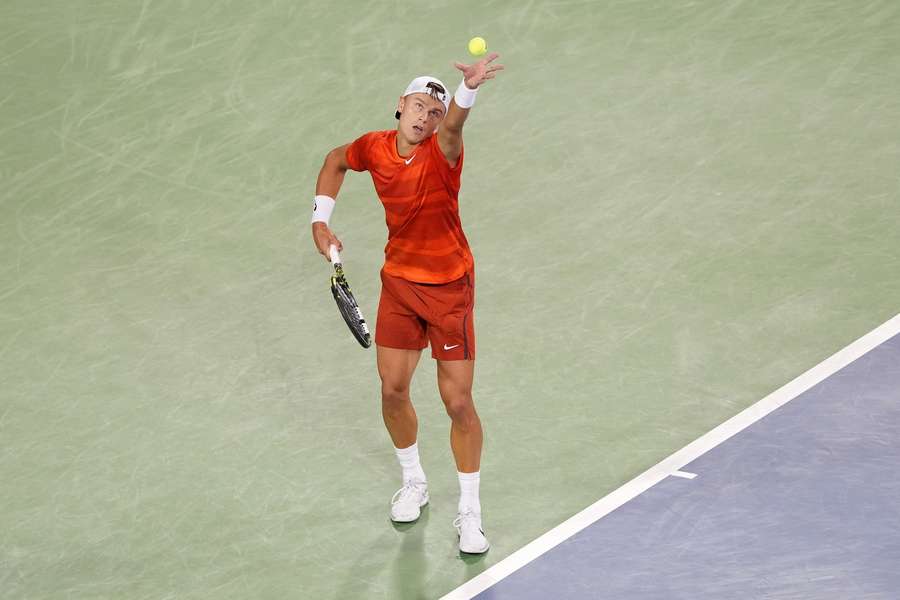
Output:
x=673 y=463
x=683 y=474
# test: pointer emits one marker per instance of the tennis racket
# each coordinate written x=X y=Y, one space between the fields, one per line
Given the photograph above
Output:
x=346 y=303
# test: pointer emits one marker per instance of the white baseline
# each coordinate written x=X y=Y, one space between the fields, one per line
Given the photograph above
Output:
x=673 y=463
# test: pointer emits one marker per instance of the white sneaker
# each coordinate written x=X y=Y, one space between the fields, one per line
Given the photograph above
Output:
x=407 y=502
x=471 y=536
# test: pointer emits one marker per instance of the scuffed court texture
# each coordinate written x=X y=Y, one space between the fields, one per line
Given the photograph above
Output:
x=675 y=208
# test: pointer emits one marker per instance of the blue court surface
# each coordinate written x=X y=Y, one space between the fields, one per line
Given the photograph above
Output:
x=802 y=502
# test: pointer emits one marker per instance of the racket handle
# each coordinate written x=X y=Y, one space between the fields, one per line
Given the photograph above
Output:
x=333 y=252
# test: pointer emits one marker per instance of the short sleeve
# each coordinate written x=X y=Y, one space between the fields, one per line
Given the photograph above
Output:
x=442 y=160
x=358 y=153
x=449 y=175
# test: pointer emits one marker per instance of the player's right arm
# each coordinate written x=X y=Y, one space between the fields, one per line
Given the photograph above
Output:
x=331 y=176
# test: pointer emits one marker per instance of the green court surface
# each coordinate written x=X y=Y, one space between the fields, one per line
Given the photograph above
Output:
x=675 y=208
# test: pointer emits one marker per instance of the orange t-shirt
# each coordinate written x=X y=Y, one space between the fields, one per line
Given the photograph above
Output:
x=420 y=194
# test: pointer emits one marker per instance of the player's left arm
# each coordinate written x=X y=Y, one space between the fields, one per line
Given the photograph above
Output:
x=450 y=131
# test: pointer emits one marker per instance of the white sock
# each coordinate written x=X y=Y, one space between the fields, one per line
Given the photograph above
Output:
x=468 y=492
x=409 y=462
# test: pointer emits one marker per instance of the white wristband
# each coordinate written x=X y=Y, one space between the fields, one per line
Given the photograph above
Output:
x=322 y=209
x=464 y=97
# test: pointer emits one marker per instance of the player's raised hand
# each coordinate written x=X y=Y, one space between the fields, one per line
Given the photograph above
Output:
x=479 y=72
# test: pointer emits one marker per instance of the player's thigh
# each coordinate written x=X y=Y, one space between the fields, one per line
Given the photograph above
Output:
x=455 y=380
x=396 y=367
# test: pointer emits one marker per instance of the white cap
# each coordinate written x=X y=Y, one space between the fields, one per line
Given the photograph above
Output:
x=432 y=86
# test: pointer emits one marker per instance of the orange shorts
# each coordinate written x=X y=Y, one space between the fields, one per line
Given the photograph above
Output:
x=412 y=314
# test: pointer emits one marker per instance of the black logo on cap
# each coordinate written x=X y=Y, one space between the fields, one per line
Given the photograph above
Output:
x=436 y=90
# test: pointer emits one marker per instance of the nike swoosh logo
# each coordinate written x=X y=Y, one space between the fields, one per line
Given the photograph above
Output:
x=409 y=160
x=446 y=347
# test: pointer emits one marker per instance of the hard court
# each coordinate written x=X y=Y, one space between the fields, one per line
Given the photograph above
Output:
x=685 y=220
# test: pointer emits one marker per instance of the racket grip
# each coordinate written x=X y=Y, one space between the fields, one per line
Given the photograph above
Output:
x=333 y=253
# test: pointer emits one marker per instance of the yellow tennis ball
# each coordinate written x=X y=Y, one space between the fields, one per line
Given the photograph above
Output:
x=477 y=46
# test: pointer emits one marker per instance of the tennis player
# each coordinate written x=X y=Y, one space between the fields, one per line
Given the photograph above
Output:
x=428 y=279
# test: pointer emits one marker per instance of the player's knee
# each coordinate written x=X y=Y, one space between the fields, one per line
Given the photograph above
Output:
x=460 y=408
x=394 y=395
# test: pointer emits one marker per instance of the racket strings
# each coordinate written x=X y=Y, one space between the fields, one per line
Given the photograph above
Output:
x=349 y=309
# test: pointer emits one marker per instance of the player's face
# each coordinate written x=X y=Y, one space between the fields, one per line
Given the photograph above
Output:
x=420 y=114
